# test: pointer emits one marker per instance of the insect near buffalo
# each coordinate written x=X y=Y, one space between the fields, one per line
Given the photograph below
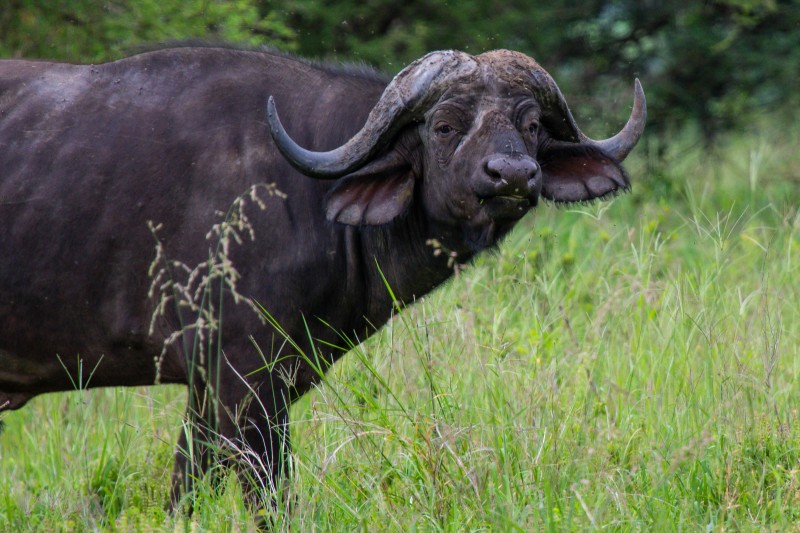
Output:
x=113 y=178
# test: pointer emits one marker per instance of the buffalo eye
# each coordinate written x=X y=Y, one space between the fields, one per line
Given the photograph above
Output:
x=533 y=128
x=444 y=130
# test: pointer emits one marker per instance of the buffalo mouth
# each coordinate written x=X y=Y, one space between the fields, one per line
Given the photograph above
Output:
x=506 y=207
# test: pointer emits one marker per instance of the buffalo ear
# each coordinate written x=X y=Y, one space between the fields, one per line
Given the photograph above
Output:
x=576 y=173
x=373 y=195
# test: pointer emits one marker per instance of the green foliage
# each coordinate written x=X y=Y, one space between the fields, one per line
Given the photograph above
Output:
x=381 y=33
x=90 y=31
x=716 y=64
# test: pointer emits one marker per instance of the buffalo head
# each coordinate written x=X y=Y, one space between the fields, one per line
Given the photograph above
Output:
x=476 y=139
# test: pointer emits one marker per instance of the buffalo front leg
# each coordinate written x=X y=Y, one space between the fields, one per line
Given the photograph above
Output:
x=255 y=426
x=198 y=438
x=249 y=431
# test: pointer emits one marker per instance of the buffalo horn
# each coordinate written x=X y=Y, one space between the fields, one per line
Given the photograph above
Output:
x=618 y=146
x=404 y=100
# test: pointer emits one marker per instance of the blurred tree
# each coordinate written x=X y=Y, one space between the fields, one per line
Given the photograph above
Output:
x=92 y=30
x=385 y=33
x=712 y=62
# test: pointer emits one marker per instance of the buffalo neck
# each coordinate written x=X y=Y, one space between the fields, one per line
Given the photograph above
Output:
x=405 y=260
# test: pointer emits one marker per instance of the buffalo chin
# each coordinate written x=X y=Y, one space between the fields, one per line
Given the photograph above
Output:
x=506 y=208
x=480 y=237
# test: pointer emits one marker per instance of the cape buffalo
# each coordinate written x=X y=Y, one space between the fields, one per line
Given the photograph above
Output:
x=116 y=262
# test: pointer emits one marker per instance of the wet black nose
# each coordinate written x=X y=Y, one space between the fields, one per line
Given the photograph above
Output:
x=512 y=174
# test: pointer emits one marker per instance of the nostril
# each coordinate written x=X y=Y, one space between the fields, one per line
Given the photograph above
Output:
x=494 y=168
x=531 y=169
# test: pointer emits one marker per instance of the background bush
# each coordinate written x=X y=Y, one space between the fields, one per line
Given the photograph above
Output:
x=715 y=64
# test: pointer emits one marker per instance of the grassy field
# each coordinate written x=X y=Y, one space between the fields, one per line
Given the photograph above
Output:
x=622 y=366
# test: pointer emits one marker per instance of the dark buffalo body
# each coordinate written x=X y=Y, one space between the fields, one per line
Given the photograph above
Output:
x=90 y=154
x=457 y=148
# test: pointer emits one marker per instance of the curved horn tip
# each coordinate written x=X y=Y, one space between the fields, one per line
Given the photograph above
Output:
x=272 y=112
x=620 y=145
x=640 y=103
x=639 y=99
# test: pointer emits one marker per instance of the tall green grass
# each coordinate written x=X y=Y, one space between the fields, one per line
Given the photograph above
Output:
x=628 y=366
